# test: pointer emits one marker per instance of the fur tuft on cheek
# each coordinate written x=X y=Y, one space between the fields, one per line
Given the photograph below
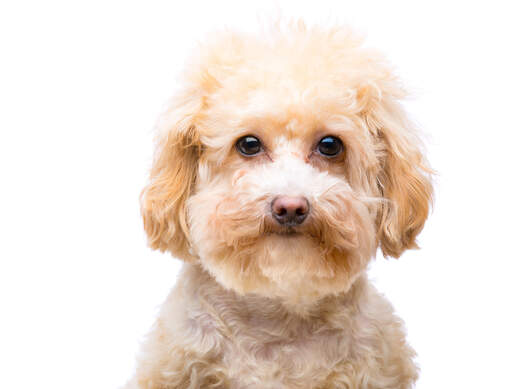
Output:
x=343 y=223
x=225 y=227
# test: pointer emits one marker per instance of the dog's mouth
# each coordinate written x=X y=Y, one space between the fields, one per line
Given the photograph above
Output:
x=270 y=227
x=286 y=233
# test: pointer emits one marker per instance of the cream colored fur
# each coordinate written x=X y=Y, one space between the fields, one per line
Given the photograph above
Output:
x=253 y=307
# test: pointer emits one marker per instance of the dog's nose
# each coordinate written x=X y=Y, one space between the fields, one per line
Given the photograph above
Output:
x=290 y=211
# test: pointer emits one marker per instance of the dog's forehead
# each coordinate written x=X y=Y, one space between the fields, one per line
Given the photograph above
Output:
x=285 y=108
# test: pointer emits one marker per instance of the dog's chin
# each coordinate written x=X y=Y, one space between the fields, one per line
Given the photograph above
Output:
x=286 y=263
x=292 y=257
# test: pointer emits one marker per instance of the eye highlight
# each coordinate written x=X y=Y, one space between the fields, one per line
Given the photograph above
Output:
x=248 y=145
x=330 y=146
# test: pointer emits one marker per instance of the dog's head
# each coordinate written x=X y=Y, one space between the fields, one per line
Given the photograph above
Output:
x=285 y=162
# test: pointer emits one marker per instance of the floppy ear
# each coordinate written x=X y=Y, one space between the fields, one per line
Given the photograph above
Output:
x=404 y=180
x=172 y=177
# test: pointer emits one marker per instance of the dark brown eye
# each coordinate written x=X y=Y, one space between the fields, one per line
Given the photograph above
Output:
x=330 y=146
x=248 y=145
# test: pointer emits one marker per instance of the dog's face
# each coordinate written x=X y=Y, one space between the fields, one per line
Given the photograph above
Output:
x=283 y=166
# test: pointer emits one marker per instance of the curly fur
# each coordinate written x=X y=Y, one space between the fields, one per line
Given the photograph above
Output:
x=255 y=308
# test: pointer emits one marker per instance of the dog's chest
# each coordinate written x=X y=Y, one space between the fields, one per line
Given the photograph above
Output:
x=303 y=361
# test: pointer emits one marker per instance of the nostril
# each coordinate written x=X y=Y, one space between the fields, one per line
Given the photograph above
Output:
x=290 y=210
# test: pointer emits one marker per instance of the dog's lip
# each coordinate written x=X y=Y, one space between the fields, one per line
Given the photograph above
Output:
x=271 y=227
x=286 y=232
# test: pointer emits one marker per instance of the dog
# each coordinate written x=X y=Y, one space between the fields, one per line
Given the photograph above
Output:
x=282 y=165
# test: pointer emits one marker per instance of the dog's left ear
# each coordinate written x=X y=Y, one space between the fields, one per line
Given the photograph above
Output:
x=172 y=177
x=404 y=178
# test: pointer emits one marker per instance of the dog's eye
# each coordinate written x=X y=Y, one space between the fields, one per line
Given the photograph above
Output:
x=248 y=145
x=330 y=146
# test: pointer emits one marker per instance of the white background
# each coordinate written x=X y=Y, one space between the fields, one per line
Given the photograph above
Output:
x=81 y=85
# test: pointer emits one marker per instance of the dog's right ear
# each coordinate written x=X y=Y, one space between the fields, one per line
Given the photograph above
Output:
x=172 y=177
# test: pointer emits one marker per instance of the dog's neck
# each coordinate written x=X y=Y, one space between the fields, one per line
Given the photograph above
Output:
x=259 y=313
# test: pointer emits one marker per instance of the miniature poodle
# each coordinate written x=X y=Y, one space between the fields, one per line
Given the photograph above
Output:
x=282 y=165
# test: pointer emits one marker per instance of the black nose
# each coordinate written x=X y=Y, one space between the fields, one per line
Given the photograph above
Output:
x=289 y=211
